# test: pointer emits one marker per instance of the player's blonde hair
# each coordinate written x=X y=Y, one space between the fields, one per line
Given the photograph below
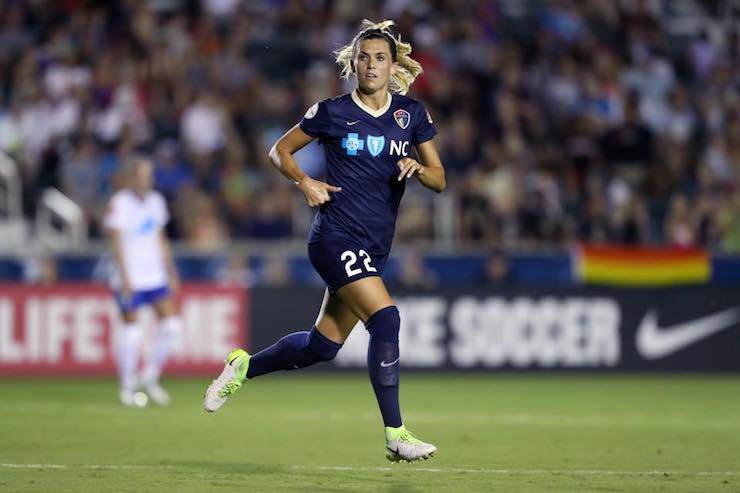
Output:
x=407 y=69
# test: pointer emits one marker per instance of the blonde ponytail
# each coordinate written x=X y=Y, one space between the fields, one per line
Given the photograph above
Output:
x=407 y=70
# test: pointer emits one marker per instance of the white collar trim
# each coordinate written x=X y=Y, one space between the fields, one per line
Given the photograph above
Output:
x=375 y=113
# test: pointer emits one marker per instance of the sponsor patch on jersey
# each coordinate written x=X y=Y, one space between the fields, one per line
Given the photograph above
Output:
x=311 y=111
x=403 y=118
x=429 y=118
x=375 y=144
x=353 y=144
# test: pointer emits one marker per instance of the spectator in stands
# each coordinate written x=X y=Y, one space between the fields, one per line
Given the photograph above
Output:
x=41 y=269
x=729 y=225
x=413 y=274
x=680 y=228
x=496 y=270
x=237 y=271
x=275 y=272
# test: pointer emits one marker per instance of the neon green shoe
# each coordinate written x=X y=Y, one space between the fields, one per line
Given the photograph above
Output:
x=229 y=381
x=402 y=446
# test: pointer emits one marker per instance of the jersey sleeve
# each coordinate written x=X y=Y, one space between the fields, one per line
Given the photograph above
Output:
x=424 y=129
x=115 y=214
x=316 y=122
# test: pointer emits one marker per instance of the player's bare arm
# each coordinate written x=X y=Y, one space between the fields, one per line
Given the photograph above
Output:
x=281 y=156
x=172 y=275
x=429 y=172
x=117 y=248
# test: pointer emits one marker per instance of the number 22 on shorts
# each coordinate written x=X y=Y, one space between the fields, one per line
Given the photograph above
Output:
x=350 y=259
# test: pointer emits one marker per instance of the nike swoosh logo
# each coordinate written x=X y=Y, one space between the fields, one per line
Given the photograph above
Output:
x=386 y=365
x=654 y=342
x=352 y=123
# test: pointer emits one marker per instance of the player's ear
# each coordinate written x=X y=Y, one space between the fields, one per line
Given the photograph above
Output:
x=394 y=67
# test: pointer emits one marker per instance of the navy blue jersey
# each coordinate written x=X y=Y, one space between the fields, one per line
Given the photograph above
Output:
x=362 y=148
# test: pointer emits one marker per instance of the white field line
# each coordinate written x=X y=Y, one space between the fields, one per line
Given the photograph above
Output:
x=519 y=472
x=405 y=469
x=83 y=466
x=33 y=466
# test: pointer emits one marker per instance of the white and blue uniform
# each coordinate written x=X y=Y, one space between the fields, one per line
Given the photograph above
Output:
x=352 y=234
x=139 y=222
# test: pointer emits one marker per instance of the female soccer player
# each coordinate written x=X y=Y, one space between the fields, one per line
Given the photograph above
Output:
x=367 y=137
x=145 y=275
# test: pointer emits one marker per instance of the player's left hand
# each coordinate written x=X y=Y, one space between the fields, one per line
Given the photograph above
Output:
x=408 y=167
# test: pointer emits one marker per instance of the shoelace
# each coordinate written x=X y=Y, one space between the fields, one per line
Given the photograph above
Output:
x=230 y=388
x=408 y=437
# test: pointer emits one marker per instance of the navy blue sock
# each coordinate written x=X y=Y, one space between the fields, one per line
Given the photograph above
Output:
x=296 y=350
x=383 y=362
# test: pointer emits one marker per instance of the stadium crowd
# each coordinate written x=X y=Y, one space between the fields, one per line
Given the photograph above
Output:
x=582 y=120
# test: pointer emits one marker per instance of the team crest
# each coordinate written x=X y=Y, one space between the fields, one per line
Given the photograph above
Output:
x=375 y=144
x=403 y=118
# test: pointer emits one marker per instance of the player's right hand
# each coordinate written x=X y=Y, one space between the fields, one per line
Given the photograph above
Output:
x=316 y=192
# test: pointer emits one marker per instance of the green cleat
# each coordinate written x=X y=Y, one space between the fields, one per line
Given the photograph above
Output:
x=402 y=446
x=229 y=381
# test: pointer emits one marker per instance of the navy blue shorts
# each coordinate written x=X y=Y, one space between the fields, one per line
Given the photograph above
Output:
x=340 y=261
x=139 y=298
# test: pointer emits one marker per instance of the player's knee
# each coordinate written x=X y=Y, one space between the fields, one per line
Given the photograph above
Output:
x=323 y=348
x=384 y=324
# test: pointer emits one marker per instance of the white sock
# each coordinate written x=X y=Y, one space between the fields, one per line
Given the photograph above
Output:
x=127 y=347
x=164 y=340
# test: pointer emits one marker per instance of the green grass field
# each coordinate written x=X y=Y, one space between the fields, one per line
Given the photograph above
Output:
x=322 y=433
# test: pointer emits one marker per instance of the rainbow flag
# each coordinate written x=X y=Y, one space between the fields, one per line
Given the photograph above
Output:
x=638 y=266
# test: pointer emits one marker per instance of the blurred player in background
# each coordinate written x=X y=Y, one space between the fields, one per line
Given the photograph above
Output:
x=145 y=274
x=367 y=137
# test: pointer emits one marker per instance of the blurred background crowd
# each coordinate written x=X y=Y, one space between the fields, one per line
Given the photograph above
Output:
x=559 y=121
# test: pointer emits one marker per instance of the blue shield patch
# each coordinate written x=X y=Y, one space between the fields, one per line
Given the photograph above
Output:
x=403 y=118
x=375 y=144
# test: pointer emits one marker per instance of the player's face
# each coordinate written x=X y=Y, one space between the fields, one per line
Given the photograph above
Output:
x=374 y=65
x=143 y=177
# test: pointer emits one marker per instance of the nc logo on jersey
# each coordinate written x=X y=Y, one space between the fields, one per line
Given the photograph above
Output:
x=375 y=144
x=403 y=118
x=352 y=143
x=400 y=147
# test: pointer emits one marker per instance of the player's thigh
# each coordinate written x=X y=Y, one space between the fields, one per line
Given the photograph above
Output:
x=127 y=306
x=336 y=320
x=365 y=296
x=165 y=307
